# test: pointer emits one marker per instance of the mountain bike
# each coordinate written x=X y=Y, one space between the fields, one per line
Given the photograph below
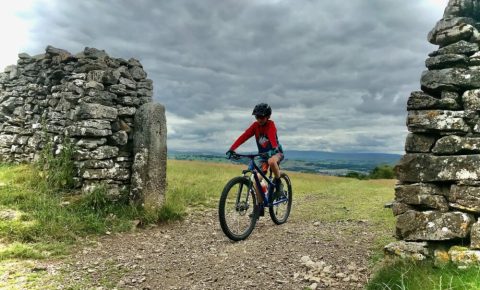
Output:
x=238 y=209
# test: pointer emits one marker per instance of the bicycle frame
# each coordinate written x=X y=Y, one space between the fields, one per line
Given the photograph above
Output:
x=254 y=169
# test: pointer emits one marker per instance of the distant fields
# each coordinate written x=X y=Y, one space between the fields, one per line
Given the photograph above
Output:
x=325 y=163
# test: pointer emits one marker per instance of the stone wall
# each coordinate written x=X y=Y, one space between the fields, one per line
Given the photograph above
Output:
x=89 y=98
x=437 y=198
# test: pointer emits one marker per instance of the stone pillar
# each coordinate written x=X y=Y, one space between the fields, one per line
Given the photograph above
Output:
x=437 y=199
x=150 y=156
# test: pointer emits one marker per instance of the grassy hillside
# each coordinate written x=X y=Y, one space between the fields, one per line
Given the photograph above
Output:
x=322 y=198
x=46 y=225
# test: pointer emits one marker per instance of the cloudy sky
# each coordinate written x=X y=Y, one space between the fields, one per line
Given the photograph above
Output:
x=336 y=73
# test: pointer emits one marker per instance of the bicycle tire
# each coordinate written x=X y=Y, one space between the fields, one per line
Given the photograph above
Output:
x=286 y=206
x=242 y=205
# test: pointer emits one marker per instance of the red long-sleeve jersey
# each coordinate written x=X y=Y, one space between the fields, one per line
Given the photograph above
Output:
x=265 y=136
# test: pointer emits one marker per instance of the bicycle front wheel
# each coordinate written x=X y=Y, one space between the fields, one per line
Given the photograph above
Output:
x=236 y=210
x=280 y=211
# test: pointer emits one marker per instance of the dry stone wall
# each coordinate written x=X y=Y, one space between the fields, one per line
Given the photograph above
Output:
x=437 y=199
x=89 y=98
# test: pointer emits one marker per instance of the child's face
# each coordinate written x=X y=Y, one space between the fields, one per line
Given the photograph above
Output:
x=262 y=120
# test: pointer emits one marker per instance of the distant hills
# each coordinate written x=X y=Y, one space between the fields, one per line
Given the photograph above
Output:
x=329 y=163
x=380 y=158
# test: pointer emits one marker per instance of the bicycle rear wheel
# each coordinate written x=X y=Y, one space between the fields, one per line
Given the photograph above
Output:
x=280 y=211
x=236 y=210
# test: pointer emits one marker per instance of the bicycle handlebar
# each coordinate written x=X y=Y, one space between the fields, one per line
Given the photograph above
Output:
x=237 y=156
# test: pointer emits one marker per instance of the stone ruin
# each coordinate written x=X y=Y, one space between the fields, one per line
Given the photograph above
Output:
x=102 y=105
x=437 y=198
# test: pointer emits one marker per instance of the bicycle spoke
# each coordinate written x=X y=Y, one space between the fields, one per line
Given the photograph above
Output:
x=236 y=209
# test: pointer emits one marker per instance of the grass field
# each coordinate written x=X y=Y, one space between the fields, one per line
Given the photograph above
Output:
x=45 y=225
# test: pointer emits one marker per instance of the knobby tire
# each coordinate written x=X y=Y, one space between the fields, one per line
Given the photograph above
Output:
x=273 y=210
x=247 y=199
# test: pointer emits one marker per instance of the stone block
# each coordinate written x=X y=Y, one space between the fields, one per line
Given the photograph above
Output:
x=460 y=47
x=450 y=30
x=118 y=89
x=416 y=251
x=100 y=97
x=127 y=111
x=137 y=73
x=436 y=120
x=95 y=111
x=90 y=128
x=471 y=100
x=113 y=191
x=92 y=164
x=433 y=225
x=451 y=79
x=119 y=138
x=447 y=61
x=475 y=236
x=461 y=8
x=128 y=83
x=102 y=152
x=94 y=85
x=419 y=143
x=465 y=198
x=452 y=144
x=115 y=173
x=421 y=101
x=419 y=167
x=426 y=195
x=398 y=208
x=462 y=256
x=91 y=143
x=102 y=76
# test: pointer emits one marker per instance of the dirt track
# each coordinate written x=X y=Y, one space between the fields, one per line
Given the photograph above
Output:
x=195 y=254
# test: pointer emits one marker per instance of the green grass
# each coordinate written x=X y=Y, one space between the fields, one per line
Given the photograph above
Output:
x=48 y=223
x=400 y=275
x=193 y=184
x=322 y=198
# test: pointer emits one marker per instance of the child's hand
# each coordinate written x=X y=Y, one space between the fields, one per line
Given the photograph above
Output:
x=230 y=153
x=272 y=152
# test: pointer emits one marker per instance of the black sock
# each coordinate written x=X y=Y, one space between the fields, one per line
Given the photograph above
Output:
x=276 y=181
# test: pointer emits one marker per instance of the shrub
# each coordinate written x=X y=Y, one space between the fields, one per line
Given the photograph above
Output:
x=382 y=172
x=56 y=171
x=357 y=175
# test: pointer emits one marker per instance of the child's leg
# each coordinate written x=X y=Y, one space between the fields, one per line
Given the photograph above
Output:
x=273 y=163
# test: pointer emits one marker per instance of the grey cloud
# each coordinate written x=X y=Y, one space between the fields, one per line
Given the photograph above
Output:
x=205 y=57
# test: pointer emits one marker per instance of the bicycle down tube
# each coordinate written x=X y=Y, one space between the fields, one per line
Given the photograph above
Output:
x=271 y=186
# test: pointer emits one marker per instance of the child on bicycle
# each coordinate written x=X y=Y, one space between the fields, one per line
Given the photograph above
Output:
x=266 y=137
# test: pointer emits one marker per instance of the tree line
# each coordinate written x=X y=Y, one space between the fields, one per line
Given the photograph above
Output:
x=380 y=172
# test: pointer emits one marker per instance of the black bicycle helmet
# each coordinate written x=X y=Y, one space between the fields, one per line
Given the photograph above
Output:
x=262 y=109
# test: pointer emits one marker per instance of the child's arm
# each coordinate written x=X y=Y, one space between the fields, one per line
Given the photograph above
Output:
x=244 y=137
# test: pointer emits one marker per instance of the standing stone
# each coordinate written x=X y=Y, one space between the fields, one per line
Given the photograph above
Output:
x=150 y=156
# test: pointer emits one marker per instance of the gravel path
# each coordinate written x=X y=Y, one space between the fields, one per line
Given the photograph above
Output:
x=195 y=254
